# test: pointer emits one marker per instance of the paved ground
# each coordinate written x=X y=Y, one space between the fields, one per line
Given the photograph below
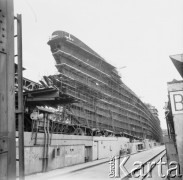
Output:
x=97 y=170
x=142 y=157
x=156 y=174
x=80 y=171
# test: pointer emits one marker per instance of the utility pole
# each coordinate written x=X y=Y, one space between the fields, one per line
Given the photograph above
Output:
x=7 y=95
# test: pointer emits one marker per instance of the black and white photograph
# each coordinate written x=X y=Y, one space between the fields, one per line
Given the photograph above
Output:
x=91 y=89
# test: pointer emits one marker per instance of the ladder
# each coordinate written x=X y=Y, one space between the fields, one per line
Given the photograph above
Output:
x=20 y=109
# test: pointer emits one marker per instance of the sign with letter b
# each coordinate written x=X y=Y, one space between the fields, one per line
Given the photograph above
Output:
x=176 y=99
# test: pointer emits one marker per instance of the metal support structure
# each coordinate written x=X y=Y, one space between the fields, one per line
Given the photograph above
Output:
x=20 y=100
x=95 y=113
x=7 y=97
x=112 y=120
x=85 y=114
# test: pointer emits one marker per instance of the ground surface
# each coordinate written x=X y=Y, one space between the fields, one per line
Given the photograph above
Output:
x=97 y=170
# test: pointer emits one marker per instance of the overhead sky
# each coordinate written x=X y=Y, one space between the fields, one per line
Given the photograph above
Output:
x=136 y=36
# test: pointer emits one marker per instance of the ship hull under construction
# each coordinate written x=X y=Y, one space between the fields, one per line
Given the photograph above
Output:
x=104 y=101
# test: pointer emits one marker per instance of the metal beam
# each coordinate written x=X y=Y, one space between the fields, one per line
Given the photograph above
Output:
x=7 y=98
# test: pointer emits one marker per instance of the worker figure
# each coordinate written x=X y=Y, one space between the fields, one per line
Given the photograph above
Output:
x=121 y=152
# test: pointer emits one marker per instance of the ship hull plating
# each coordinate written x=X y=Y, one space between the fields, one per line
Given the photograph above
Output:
x=105 y=103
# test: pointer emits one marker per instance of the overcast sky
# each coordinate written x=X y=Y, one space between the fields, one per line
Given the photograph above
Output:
x=138 y=34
